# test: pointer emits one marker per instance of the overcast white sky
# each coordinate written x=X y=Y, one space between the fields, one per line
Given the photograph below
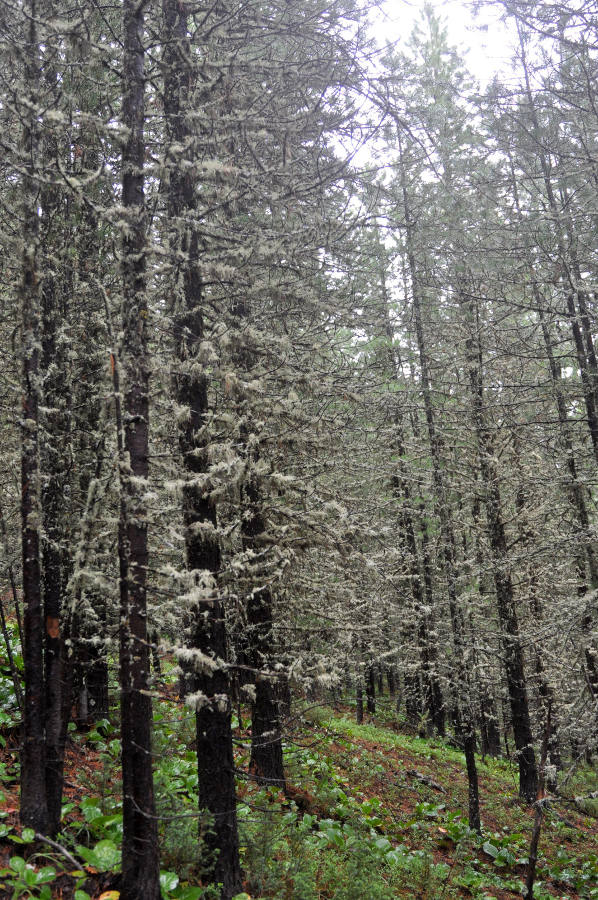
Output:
x=488 y=50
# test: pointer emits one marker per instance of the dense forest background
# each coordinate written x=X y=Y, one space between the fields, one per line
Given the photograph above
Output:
x=300 y=374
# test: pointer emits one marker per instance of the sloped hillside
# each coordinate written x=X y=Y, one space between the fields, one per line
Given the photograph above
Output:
x=370 y=812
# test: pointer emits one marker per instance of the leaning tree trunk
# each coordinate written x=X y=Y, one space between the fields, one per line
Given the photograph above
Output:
x=140 y=864
x=208 y=633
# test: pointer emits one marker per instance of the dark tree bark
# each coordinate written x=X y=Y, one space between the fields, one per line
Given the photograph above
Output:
x=575 y=488
x=215 y=758
x=466 y=725
x=34 y=810
x=266 y=759
x=472 y=780
x=53 y=581
x=208 y=627
x=390 y=677
x=489 y=730
x=413 y=705
x=421 y=589
x=56 y=422
x=503 y=585
x=370 y=690
x=140 y=863
x=506 y=725
x=359 y=703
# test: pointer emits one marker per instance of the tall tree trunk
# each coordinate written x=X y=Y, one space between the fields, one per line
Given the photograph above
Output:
x=55 y=455
x=359 y=701
x=34 y=809
x=489 y=730
x=370 y=690
x=465 y=716
x=202 y=545
x=140 y=864
x=575 y=489
x=503 y=585
x=54 y=519
x=569 y=274
x=423 y=597
x=266 y=761
x=90 y=640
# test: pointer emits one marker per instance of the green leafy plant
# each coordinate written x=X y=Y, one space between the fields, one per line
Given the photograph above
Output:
x=172 y=889
x=27 y=881
x=104 y=856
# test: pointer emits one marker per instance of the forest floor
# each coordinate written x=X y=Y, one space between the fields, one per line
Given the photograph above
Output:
x=371 y=812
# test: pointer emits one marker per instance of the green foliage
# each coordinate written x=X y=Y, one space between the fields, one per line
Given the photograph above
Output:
x=287 y=854
x=26 y=837
x=175 y=779
x=581 y=875
x=26 y=881
x=102 y=819
x=342 y=840
x=100 y=736
x=172 y=889
x=104 y=856
x=9 y=711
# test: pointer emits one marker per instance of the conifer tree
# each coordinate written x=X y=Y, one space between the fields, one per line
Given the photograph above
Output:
x=140 y=864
